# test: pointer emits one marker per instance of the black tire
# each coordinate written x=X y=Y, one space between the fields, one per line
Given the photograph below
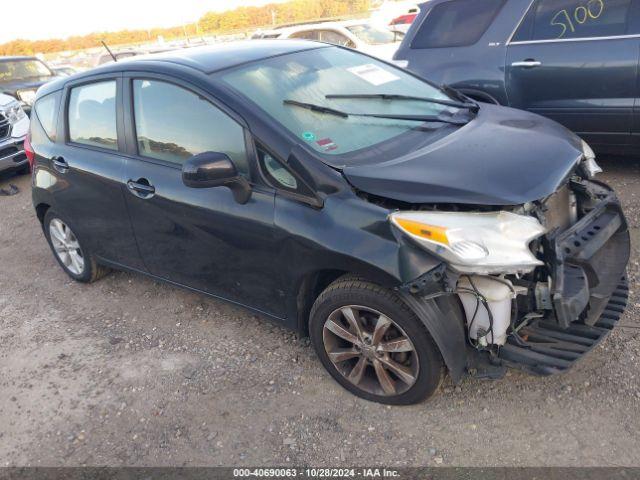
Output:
x=350 y=290
x=92 y=270
x=24 y=170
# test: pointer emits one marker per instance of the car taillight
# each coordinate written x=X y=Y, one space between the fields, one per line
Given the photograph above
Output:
x=404 y=19
x=28 y=150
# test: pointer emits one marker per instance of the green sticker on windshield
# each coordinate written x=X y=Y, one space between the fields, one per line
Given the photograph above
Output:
x=309 y=136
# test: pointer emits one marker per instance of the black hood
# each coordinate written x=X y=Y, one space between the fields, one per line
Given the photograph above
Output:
x=502 y=157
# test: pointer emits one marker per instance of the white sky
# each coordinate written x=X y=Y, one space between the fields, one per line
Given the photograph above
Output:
x=42 y=19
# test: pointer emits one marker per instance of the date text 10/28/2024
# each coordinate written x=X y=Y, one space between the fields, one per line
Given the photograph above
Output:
x=315 y=472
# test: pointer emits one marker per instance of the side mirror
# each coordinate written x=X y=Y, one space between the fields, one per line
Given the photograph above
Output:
x=215 y=169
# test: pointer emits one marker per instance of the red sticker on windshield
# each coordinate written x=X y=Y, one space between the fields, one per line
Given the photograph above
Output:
x=327 y=144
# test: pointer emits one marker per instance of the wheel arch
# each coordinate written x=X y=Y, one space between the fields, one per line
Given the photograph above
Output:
x=41 y=210
x=311 y=286
x=442 y=317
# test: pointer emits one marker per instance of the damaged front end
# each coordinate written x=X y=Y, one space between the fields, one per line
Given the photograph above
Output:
x=539 y=284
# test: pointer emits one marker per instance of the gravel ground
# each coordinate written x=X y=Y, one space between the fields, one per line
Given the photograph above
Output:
x=128 y=371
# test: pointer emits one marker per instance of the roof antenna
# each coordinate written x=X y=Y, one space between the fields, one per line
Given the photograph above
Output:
x=109 y=50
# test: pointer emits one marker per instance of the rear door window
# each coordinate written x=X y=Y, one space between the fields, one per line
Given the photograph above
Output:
x=456 y=23
x=566 y=19
x=92 y=115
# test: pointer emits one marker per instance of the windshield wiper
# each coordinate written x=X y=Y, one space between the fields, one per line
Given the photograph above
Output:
x=316 y=108
x=389 y=96
x=390 y=116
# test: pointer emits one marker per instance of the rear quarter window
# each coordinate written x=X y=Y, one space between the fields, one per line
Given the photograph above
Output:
x=456 y=23
x=46 y=109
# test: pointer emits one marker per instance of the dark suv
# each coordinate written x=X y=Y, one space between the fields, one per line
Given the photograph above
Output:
x=20 y=77
x=297 y=179
x=575 y=61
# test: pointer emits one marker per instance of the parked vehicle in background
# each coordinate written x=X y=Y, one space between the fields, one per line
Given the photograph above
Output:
x=64 y=71
x=574 y=61
x=404 y=233
x=20 y=77
x=402 y=22
x=121 y=55
x=14 y=125
x=129 y=53
x=357 y=34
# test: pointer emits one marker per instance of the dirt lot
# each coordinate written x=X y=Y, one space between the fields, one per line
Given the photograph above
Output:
x=131 y=372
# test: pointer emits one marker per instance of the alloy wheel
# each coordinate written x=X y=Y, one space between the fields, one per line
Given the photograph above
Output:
x=66 y=246
x=370 y=350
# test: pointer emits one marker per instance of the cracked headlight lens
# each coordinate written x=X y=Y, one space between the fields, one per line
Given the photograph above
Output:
x=27 y=96
x=13 y=112
x=486 y=243
x=589 y=163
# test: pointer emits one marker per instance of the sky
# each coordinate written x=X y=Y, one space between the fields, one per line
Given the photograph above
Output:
x=42 y=19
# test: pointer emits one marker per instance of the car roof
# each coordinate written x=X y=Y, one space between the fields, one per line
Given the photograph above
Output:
x=206 y=59
x=18 y=57
x=212 y=58
x=318 y=26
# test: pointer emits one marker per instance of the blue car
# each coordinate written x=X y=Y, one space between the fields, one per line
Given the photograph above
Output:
x=574 y=61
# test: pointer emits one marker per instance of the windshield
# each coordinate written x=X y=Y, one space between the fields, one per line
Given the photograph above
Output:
x=23 y=69
x=311 y=75
x=373 y=35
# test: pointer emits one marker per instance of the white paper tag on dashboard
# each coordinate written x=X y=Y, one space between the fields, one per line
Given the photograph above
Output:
x=373 y=74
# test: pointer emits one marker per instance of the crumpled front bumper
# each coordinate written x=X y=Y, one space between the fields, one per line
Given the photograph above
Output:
x=589 y=293
x=590 y=259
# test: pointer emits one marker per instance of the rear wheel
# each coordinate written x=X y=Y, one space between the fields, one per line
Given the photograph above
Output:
x=373 y=344
x=73 y=256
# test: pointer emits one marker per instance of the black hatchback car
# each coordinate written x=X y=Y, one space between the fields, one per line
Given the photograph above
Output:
x=574 y=61
x=403 y=233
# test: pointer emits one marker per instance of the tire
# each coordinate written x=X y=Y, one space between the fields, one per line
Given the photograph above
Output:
x=369 y=303
x=24 y=170
x=91 y=270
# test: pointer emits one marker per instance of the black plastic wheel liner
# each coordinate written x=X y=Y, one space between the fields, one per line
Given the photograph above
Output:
x=444 y=319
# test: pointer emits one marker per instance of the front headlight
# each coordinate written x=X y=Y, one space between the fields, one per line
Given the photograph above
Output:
x=27 y=96
x=13 y=112
x=487 y=243
x=589 y=163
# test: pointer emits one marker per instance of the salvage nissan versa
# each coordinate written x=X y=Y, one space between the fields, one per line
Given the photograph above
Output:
x=402 y=226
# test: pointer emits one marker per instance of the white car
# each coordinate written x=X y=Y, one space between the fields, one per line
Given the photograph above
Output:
x=14 y=125
x=357 y=34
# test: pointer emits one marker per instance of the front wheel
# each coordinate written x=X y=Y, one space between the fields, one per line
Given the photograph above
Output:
x=373 y=344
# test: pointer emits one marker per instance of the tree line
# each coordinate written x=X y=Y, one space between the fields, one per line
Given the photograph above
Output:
x=212 y=23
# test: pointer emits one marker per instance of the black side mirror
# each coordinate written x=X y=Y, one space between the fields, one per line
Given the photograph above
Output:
x=215 y=169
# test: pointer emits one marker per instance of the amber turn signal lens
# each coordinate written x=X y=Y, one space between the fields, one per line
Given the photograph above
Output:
x=429 y=232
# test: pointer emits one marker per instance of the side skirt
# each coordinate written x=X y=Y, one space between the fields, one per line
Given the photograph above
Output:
x=269 y=316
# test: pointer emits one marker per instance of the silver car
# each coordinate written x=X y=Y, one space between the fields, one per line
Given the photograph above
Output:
x=14 y=125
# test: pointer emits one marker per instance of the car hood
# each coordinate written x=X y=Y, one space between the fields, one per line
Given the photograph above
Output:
x=27 y=84
x=502 y=157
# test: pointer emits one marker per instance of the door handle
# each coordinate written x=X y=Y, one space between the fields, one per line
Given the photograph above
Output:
x=527 y=64
x=141 y=188
x=60 y=164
